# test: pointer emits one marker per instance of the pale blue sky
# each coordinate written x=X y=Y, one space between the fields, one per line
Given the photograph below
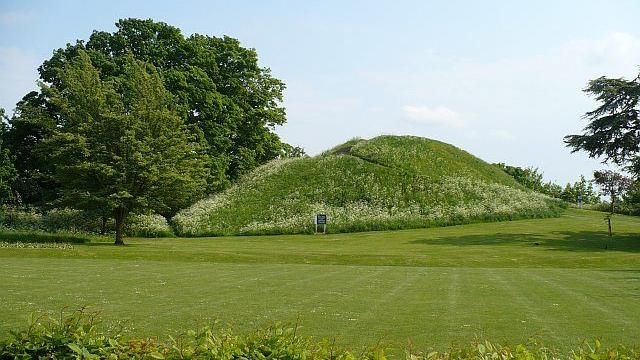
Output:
x=501 y=79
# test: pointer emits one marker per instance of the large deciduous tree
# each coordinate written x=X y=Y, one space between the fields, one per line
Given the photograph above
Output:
x=35 y=118
x=7 y=170
x=218 y=85
x=119 y=144
x=613 y=132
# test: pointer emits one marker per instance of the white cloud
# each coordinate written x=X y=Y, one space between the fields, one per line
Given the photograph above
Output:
x=437 y=116
x=536 y=95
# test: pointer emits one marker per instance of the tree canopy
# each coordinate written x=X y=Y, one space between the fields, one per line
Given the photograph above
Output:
x=217 y=85
x=120 y=144
x=611 y=184
x=529 y=177
x=7 y=170
x=613 y=132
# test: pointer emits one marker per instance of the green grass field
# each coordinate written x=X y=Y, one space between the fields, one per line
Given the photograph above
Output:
x=434 y=286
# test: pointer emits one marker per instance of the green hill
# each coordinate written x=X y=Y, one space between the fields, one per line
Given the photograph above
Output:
x=389 y=182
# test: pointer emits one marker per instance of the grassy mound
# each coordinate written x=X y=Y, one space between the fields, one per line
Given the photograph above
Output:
x=389 y=182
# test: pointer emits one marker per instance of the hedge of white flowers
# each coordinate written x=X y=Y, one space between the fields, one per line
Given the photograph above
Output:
x=372 y=188
x=32 y=245
x=77 y=221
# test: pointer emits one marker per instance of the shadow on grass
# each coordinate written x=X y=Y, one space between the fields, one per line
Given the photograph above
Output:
x=558 y=240
x=110 y=243
x=40 y=237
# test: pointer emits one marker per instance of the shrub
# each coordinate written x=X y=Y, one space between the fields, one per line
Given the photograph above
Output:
x=79 y=336
x=71 y=220
x=77 y=221
x=150 y=225
x=27 y=219
x=621 y=208
x=41 y=237
x=35 y=245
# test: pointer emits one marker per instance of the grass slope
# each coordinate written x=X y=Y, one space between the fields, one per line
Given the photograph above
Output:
x=434 y=286
x=389 y=182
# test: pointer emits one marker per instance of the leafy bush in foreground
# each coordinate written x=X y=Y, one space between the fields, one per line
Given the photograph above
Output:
x=77 y=336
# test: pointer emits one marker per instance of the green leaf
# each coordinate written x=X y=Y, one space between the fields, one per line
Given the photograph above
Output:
x=75 y=348
x=156 y=355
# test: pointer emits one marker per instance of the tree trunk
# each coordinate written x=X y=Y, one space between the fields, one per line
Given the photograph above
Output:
x=103 y=226
x=120 y=214
x=609 y=223
x=613 y=203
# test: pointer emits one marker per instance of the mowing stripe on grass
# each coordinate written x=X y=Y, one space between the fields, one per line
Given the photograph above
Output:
x=589 y=298
x=480 y=280
x=515 y=295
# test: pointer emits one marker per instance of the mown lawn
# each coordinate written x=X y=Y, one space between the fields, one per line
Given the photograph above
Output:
x=551 y=279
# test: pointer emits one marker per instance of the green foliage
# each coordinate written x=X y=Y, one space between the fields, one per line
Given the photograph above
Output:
x=582 y=188
x=148 y=226
x=42 y=237
x=531 y=178
x=218 y=87
x=54 y=220
x=7 y=175
x=627 y=204
x=35 y=245
x=7 y=169
x=612 y=132
x=27 y=219
x=289 y=151
x=385 y=183
x=611 y=184
x=78 y=336
x=33 y=121
x=552 y=189
x=630 y=204
x=485 y=350
x=76 y=221
x=121 y=147
x=528 y=177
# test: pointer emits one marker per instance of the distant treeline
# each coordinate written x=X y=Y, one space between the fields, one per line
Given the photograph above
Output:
x=530 y=177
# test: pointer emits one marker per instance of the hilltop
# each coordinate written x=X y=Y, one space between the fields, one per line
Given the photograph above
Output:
x=388 y=182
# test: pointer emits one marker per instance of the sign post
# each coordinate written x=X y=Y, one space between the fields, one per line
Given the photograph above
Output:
x=321 y=219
